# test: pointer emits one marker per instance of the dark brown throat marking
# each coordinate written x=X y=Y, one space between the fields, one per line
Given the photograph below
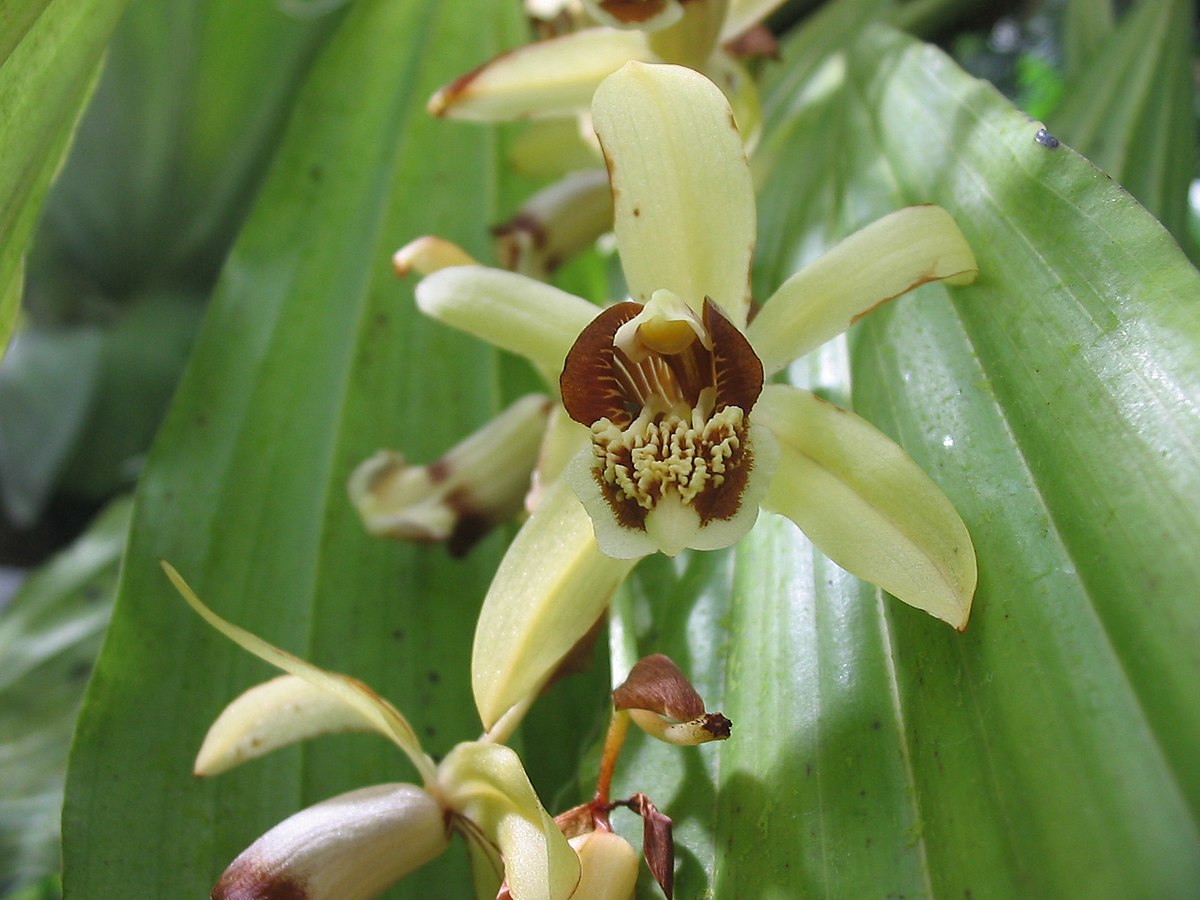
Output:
x=599 y=381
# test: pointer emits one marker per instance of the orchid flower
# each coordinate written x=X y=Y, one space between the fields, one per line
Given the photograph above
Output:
x=557 y=77
x=680 y=440
x=353 y=846
x=553 y=80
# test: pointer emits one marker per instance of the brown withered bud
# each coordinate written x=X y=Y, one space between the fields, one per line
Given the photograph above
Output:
x=662 y=702
x=479 y=483
x=658 y=842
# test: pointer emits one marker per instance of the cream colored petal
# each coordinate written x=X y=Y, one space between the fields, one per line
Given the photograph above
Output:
x=741 y=91
x=385 y=718
x=563 y=440
x=890 y=257
x=429 y=254
x=609 y=867
x=865 y=504
x=487 y=785
x=274 y=714
x=350 y=847
x=683 y=200
x=690 y=40
x=744 y=15
x=555 y=77
x=511 y=311
x=550 y=589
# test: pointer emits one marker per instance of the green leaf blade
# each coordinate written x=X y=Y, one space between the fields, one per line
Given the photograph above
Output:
x=45 y=78
x=304 y=367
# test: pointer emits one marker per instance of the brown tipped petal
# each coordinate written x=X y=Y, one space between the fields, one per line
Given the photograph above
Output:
x=350 y=847
x=429 y=254
x=555 y=77
x=556 y=223
x=479 y=483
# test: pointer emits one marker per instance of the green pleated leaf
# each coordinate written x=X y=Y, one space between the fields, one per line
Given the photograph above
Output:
x=164 y=164
x=1077 y=358
x=47 y=384
x=1132 y=110
x=49 y=52
x=1085 y=26
x=1047 y=750
x=311 y=358
x=50 y=633
x=168 y=156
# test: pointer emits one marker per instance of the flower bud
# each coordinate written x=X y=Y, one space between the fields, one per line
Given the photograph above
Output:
x=663 y=703
x=479 y=483
x=350 y=847
x=608 y=866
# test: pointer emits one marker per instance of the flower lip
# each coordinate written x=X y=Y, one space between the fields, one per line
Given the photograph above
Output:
x=669 y=432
